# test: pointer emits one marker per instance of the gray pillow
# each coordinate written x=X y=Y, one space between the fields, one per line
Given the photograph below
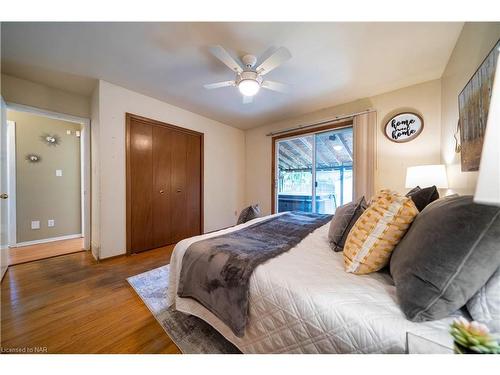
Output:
x=248 y=213
x=342 y=222
x=484 y=306
x=447 y=255
x=423 y=197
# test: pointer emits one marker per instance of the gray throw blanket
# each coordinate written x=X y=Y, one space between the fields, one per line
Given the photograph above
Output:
x=216 y=271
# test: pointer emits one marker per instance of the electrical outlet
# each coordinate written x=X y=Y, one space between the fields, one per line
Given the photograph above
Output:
x=35 y=224
x=51 y=223
x=58 y=172
x=77 y=133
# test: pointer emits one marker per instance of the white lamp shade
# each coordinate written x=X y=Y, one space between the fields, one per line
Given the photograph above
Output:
x=427 y=175
x=488 y=183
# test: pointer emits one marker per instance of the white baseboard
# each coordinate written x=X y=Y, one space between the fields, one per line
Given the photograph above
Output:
x=45 y=240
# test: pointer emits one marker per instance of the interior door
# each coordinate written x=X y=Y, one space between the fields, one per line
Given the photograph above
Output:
x=193 y=195
x=141 y=186
x=4 y=230
x=162 y=194
x=179 y=183
x=164 y=183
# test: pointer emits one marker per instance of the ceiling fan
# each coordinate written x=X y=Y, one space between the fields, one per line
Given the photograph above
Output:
x=249 y=79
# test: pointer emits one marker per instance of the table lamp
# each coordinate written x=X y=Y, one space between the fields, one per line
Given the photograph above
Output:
x=427 y=175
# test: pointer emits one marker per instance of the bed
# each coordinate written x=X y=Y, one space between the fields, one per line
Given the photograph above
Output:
x=304 y=302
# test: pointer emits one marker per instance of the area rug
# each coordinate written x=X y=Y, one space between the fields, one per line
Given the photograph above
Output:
x=191 y=334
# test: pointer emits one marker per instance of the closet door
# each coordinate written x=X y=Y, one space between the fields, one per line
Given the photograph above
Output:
x=164 y=184
x=193 y=193
x=179 y=185
x=140 y=182
x=162 y=172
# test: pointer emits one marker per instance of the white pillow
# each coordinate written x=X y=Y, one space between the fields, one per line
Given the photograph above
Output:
x=484 y=306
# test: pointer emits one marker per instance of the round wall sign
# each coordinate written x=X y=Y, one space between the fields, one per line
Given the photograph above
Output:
x=404 y=127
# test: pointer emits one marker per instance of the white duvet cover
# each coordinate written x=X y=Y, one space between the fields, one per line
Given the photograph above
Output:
x=304 y=302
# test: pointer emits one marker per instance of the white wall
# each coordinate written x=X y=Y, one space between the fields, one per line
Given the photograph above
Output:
x=474 y=43
x=393 y=158
x=224 y=160
x=21 y=91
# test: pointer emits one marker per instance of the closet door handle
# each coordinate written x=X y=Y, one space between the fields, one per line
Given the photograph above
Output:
x=161 y=191
x=178 y=190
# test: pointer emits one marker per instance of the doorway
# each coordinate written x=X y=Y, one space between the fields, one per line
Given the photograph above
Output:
x=48 y=183
x=313 y=172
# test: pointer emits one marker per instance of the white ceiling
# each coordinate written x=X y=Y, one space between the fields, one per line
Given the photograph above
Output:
x=332 y=63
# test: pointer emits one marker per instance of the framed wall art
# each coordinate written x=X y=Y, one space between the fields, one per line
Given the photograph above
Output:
x=473 y=106
x=404 y=127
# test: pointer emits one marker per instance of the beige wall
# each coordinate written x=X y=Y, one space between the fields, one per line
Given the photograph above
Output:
x=20 y=91
x=473 y=44
x=224 y=160
x=40 y=194
x=237 y=163
x=393 y=158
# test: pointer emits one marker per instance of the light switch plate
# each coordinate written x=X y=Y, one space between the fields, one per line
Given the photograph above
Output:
x=35 y=224
x=51 y=223
x=77 y=133
x=58 y=172
x=68 y=132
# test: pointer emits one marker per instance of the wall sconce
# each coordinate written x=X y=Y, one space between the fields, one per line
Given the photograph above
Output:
x=50 y=140
x=33 y=158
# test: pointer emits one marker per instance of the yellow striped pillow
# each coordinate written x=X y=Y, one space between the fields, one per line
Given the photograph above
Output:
x=378 y=230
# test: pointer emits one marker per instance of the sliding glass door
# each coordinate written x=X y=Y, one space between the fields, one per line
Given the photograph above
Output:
x=295 y=174
x=314 y=171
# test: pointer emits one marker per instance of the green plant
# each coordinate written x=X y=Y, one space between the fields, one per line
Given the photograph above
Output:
x=473 y=337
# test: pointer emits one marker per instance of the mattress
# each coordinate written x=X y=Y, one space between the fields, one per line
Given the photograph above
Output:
x=304 y=302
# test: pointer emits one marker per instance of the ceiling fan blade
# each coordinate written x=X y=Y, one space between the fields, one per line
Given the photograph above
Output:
x=277 y=58
x=275 y=86
x=217 y=85
x=226 y=58
x=247 y=99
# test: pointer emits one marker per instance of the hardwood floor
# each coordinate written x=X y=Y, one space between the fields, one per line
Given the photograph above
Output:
x=72 y=304
x=18 y=255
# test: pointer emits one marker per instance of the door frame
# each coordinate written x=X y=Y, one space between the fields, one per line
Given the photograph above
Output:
x=84 y=165
x=336 y=125
x=11 y=183
x=4 y=243
x=128 y=119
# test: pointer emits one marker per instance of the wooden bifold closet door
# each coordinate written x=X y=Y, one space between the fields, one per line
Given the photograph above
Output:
x=164 y=183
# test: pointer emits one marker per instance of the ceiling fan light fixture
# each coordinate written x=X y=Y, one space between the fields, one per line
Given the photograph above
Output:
x=249 y=77
x=249 y=87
